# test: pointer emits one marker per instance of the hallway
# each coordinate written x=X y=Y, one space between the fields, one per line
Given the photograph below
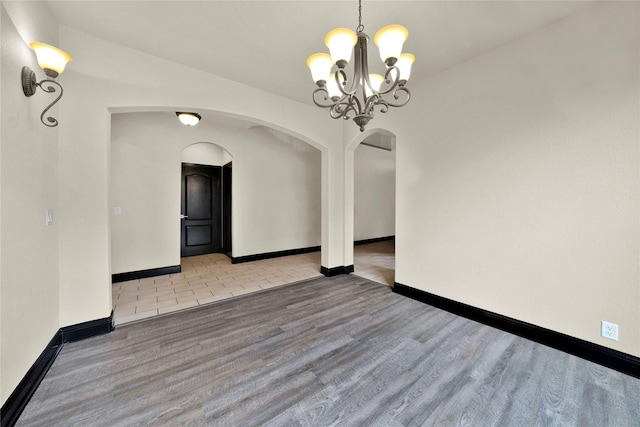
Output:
x=209 y=278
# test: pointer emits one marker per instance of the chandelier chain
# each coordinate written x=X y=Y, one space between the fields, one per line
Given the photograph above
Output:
x=360 y=28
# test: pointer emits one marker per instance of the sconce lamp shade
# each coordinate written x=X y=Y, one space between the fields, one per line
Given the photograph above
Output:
x=320 y=65
x=389 y=40
x=51 y=59
x=188 y=119
x=340 y=43
x=404 y=64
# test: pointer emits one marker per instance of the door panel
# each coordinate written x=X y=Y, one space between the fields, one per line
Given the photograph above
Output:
x=198 y=197
x=199 y=235
x=201 y=207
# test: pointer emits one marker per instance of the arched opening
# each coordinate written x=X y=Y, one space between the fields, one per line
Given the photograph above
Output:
x=374 y=208
x=332 y=251
x=372 y=200
x=275 y=206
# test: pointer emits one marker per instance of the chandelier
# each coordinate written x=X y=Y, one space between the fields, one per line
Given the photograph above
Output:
x=359 y=95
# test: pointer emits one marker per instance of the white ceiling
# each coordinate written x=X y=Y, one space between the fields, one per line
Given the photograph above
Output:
x=265 y=43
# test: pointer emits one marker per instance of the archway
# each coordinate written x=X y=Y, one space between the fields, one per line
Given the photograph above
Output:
x=332 y=184
x=370 y=204
x=147 y=154
x=155 y=141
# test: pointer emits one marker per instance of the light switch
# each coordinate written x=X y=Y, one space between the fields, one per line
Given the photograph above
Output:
x=48 y=217
x=117 y=211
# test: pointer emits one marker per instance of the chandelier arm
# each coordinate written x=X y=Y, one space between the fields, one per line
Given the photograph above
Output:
x=349 y=96
x=50 y=89
x=384 y=106
x=341 y=109
x=356 y=104
x=342 y=83
x=389 y=79
x=328 y=103
x=371 y=102
x=403 y=94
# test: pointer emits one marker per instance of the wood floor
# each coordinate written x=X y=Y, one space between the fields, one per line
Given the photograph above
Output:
x=340 y=351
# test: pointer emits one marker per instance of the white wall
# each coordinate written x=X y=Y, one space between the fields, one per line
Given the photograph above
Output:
x=29 y=311
x=518 y=184
x=276 y=194
x=276 y=187
x=374 y=192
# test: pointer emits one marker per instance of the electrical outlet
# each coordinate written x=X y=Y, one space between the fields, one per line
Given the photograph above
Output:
x=610 y=330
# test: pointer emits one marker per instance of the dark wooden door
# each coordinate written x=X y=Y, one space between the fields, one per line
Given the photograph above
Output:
x=201 y=210
x=226 y=209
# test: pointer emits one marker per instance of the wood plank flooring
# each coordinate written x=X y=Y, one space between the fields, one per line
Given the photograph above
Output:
x=341 y=351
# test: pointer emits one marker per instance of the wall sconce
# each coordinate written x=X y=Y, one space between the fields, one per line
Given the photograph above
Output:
x=188 y=119
x=52 y=60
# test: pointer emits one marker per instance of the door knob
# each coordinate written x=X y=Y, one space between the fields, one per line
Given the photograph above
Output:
x=183 y=216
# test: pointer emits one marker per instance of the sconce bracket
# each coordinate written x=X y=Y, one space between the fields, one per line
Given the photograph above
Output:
x=29 y=83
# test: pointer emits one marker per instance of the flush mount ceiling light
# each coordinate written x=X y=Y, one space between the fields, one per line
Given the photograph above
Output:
x=364 y=91
x=188 y=119
x=52 y=60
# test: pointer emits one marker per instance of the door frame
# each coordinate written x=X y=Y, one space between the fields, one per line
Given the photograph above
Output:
x=227 y=209
x=216 y=209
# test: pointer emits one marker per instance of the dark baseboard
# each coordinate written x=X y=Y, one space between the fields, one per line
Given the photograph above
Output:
x=141 y=274
x=20 y=397
x=18 y=400
x=377 y=239
x=258 y=257
x=87 y=329
x=336 y=271
x=614 y=359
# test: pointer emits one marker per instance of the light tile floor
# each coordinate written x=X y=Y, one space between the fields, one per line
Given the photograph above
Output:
x=208 y=278
x=376 y=261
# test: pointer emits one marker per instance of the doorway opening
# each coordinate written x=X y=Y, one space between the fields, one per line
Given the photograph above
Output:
x=374 y=208
x=201 y=207
x=205 y=201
